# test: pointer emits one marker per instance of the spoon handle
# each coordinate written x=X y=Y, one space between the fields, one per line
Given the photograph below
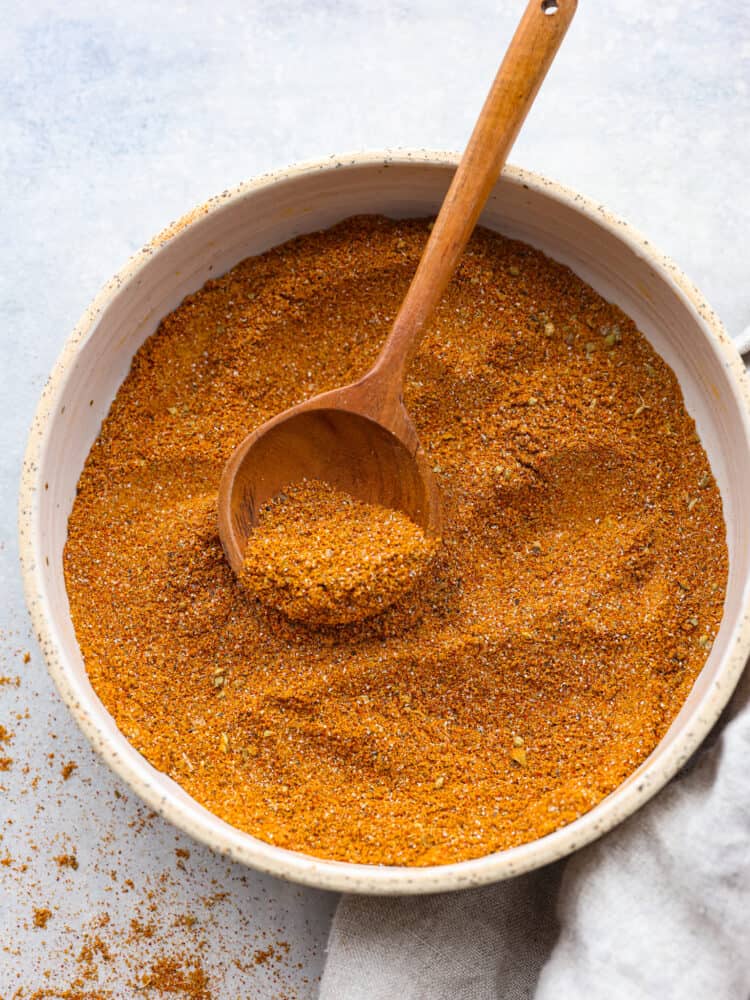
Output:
x=523 y=69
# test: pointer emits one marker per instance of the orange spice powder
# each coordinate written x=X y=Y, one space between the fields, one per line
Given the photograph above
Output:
x=577 y=590
x=323 y=557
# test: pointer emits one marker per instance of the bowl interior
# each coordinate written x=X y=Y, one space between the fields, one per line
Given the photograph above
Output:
x=260 y=215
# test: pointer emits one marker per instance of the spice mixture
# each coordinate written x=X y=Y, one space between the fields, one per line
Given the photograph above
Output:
x=324 y=557
x=576 y=593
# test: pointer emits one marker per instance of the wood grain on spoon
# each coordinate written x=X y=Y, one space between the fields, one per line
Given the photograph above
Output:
x=360 y=437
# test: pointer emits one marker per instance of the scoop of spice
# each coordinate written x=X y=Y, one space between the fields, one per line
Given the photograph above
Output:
x=321 y=556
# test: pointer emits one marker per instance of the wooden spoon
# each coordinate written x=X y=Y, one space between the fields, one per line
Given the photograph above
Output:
x=360 y=438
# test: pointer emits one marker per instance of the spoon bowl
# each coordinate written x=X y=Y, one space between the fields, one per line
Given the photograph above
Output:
x=327 y=438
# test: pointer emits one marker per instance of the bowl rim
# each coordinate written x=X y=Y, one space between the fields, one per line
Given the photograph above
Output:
x=243 y=847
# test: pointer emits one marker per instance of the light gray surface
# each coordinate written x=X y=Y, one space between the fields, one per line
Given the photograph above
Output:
x=115 y=120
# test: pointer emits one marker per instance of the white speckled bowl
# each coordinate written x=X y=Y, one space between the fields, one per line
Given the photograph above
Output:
x=604 y=251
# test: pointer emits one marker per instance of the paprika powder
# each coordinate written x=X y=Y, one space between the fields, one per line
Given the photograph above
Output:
x=535 y=664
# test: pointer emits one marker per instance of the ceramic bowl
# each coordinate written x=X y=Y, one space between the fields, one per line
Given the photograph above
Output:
x=601 y=249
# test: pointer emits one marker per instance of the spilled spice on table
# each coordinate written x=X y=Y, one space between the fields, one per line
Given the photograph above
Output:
x=170 y=975
x=66 y=861
x=148 y=957
x=323 y=557
x=5 y=737
x=272 y=953
x=575 y=597
x=67 y=769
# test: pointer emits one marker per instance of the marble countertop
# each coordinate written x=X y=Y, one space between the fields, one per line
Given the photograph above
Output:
x=116 y=118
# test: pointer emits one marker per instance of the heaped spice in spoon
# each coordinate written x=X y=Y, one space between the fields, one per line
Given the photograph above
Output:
x=323 y=557
x=540 y=658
